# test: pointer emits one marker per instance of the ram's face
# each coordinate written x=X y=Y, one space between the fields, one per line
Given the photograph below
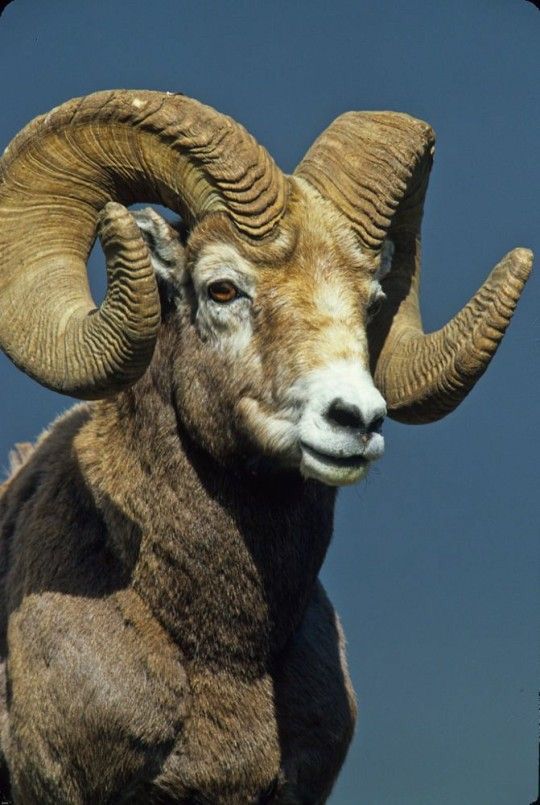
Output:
x=289 y=333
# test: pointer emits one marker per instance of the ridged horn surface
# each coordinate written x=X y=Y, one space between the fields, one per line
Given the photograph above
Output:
x=425 y=376
x=56 y=178
x=374 y=166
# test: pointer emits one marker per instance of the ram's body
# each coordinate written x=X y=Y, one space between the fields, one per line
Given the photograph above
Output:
x=164 y=685
x=165 y=635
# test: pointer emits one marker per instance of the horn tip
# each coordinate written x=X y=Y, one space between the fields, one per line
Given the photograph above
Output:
x=519 y=263
x=524 y=255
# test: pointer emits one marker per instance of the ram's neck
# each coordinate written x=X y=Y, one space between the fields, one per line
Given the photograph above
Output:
x=227 y=561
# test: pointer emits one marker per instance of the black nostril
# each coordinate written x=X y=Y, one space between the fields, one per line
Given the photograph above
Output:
x=344 y=414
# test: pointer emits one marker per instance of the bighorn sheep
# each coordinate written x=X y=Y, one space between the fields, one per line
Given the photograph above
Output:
x=166 y=638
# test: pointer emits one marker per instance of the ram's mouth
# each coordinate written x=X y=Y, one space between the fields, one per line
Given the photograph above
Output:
x=337 y=461
x=331 y=468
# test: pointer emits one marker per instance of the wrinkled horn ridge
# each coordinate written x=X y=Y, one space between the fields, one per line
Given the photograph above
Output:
x=57 y=178
x=426 y=376
x=375 y=166
x=364 y=163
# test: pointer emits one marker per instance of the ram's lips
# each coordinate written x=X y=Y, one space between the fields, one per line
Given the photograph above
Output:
x=330 y=468
x=354 y=460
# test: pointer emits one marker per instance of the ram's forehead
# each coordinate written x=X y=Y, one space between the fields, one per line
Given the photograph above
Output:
x=313 y=244
x=328 y=267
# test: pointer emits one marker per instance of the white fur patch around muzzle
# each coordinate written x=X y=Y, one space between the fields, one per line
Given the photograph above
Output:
x=329 y=426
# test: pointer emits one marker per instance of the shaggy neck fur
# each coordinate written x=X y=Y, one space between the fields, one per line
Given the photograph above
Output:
x=226 y=558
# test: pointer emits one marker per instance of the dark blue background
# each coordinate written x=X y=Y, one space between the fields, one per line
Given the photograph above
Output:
x=435 y=565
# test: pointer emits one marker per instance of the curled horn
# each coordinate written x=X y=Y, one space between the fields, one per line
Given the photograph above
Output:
x=73 y=169
x=375 y=166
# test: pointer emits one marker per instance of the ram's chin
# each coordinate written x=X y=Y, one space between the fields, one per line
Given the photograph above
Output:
x=332 y=472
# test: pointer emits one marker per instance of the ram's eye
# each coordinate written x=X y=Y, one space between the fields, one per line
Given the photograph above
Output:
x=374 y=306
x=223 y=291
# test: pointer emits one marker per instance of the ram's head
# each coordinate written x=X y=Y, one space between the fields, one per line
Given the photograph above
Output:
x=294 y=298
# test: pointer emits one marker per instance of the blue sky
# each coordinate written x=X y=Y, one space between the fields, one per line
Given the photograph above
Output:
x=435 y=564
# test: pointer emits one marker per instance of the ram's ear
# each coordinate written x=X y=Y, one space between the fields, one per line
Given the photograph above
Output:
x=165 y=246
x=385 y=260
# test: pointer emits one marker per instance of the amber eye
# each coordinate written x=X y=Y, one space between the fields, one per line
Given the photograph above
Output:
x=222 y=291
